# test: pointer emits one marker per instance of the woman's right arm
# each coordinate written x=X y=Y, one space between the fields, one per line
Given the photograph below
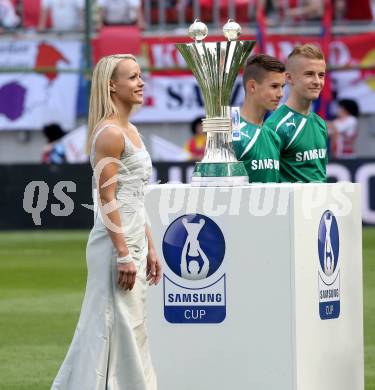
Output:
x=109 y=146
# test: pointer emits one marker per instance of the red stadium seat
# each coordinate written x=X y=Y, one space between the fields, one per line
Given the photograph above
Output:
x=117 y=39
x=206 y=10
x=358 y=10
x=31 y=9
x=242 y=9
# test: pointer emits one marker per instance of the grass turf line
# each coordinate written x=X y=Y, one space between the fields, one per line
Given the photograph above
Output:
x=42 y=278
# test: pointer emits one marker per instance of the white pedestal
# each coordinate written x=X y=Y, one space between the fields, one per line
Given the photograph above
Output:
x=272 y=315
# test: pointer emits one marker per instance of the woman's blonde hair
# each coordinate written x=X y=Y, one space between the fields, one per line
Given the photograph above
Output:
x=101 y=103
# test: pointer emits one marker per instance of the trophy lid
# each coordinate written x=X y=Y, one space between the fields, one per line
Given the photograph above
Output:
x=198 y=31
x=232 y=30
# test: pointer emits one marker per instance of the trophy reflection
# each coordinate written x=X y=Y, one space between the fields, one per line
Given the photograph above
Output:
x=215 y=65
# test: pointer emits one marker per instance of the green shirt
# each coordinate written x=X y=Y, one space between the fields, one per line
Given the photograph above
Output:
x=303 y=151
x=258 y=148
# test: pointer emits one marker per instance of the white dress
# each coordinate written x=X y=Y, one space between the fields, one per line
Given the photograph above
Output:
x=109 y=350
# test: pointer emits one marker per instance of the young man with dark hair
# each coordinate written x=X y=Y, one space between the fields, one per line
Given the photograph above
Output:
x=303 y=134
x=258 y=146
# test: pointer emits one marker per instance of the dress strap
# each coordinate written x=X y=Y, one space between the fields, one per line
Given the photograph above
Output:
x=96 y=135
x=100 y=130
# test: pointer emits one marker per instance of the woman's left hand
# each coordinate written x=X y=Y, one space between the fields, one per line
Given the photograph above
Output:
x=153 y=267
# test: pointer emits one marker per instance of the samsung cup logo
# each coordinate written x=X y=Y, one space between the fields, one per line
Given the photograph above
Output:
x=193 y=247
x=236 y=123
x=329 y=270
x=194 y=284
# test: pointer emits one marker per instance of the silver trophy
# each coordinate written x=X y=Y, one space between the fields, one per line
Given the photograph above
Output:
x=215 y=65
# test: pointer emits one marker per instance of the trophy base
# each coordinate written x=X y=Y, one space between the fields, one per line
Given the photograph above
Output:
x=233 y=181
x=219 y=174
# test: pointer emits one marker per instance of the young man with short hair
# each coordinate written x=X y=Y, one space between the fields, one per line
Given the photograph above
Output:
x=303 y=134
x=257 y=146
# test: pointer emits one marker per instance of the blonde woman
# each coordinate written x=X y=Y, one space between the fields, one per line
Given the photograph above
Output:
x=109 y=350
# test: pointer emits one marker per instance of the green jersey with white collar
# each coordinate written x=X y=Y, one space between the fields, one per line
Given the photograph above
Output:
x=258 y=148
x=303 y=152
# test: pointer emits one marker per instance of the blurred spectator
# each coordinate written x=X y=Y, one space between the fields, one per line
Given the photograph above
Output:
x=344 y=129
x=339 y=9
x=121 y=12
x=291 y=10
x=306 y=10
x=358 y=10
x=50 y=153
x=8 y=16
x=297 y=10
x=196 y=145
x=66 y=15
x=272 y=10
x=74 y=145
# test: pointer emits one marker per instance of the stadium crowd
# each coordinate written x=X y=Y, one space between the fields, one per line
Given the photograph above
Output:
x=145 y=18
x=68 y=15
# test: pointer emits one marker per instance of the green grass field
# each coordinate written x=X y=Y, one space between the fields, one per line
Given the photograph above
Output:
x=42 y=278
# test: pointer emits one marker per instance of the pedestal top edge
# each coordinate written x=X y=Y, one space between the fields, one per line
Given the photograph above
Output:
x=253 y=185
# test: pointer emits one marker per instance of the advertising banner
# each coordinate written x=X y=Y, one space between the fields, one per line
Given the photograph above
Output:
x=28 y=101
x=173 y=95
